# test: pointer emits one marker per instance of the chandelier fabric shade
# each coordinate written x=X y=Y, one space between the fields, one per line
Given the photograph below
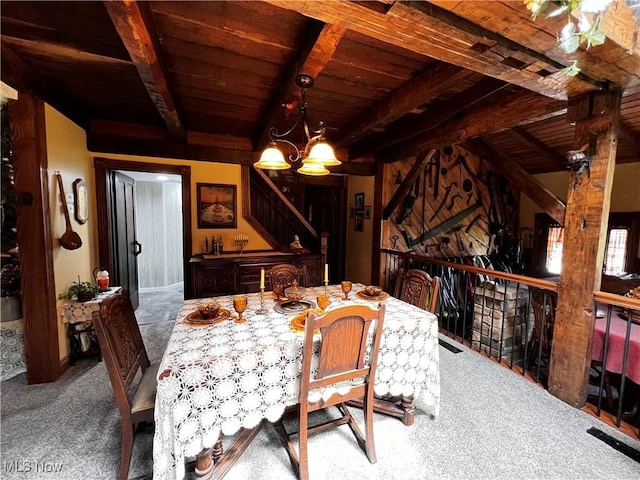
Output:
x=316 y=155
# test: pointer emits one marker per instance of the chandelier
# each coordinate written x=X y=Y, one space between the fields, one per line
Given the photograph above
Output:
x=316 y=155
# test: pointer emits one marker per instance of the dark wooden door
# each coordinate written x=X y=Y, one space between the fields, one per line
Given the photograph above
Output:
x=125 y=247
x=324 y=204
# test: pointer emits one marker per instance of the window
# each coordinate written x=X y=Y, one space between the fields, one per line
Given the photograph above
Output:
x=614 y=258
x=555 y=239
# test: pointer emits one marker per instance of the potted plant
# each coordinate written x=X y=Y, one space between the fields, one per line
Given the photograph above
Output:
x=82 y=291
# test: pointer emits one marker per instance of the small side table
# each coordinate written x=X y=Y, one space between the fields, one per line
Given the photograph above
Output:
x=79 y=317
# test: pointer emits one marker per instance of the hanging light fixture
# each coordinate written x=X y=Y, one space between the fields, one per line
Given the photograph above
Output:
x=316 y=155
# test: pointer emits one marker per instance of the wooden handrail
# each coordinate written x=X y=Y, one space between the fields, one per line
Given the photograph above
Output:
x=512 y=277
x=617 y=300
x=289 y=205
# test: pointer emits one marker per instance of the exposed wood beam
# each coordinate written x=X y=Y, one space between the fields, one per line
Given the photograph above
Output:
x=498 y=39
x=545 y=150
x=407 y=27
x=531 y=186
x=427 y=86
x=481 y=120
x=403 y=189
x=609 y=62
x=319 y=46
x=205 y=148
x=134 y=23
x=631 y=138
x=434 y=116
x=21 y=76
x=585 y=234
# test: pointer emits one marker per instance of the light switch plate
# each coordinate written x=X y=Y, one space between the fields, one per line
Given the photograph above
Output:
x=69 y=197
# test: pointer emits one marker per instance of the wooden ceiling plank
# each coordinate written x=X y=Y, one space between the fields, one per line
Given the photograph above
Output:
x=134 y=24
x=319 y=46
x=405 y=26
x=434 y=116
x=513 y=171
x=629 y=137
x=427 y=86
x=545 y=150
x=512 y=110
x=23 y=77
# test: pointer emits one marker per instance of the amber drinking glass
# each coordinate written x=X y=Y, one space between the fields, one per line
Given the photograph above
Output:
x=240 y=305
x=278 y=290
x=322 y=300
x=346 y=288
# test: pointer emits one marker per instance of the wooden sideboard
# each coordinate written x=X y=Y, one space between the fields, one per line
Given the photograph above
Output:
x=214 y=275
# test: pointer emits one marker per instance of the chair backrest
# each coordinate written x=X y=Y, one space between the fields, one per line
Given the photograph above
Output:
x=284 y=274
x=121 y=346
x=345 y=334
x=543 y=306
x=418 y=288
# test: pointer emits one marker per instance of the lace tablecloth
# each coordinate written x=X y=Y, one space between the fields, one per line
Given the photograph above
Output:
x=82 y=312
x=224 y=377
x=12 y=361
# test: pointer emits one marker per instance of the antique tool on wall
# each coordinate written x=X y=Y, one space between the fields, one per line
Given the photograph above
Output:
x=437 y=179
x=409 y=200
x=473 y=222
x=444 y=200
x=467 y=186
x=70 y=239
x=453 y=199
x=456 y=230
x=443 y=227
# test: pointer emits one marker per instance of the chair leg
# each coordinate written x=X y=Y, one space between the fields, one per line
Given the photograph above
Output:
x=126 y=449
x=303 y=435
x=368 y=425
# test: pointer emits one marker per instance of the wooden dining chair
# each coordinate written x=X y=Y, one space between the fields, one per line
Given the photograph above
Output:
x=124 y=355
x=418 y=288
x=342 y=349
x=284 y=274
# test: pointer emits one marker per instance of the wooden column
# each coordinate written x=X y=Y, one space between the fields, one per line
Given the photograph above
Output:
x=585 y=231
x=34 y=239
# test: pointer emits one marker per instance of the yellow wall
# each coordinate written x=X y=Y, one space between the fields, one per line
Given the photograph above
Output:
x=207 y=172
x=68 y=154
x=359 y=244
x=625 y=194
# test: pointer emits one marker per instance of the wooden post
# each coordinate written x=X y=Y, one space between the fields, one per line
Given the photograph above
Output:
x=34 y=238
x=585 y=231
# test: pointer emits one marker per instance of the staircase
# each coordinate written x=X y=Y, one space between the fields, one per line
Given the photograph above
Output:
x=269 y=212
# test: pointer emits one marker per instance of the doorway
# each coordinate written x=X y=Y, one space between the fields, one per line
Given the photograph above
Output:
x=158 y=239
x=167 y=283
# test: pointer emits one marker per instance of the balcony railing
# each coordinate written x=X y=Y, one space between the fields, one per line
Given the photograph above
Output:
x=510 y=318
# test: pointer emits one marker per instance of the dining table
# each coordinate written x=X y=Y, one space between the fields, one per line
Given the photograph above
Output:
x=616 y=332
x=225 y=378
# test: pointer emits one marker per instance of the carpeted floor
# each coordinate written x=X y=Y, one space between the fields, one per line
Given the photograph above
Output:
x=492 y=424
x=159 y=304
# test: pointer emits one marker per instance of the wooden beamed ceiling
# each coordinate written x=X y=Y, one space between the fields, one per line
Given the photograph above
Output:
x=207 y=80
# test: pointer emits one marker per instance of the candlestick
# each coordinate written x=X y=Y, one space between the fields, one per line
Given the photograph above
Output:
x=326 y=273
x=326 y=287
x=262 y=279
x=261 y=310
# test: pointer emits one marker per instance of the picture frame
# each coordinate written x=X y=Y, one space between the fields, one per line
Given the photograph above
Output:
x=217 y=205
x=360 y=202
x=367 y=211
x=80 y=201
x=359 y=222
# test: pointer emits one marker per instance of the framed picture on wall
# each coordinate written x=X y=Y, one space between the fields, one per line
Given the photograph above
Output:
x=367 y=211
x=359 y=222
x=217 y=205
x=360 y=202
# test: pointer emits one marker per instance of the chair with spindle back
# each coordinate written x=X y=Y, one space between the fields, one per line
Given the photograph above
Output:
x=345 y=332
x=124 y=355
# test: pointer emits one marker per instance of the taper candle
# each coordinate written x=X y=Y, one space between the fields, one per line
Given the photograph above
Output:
x=262 y=278
x=326 y=272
